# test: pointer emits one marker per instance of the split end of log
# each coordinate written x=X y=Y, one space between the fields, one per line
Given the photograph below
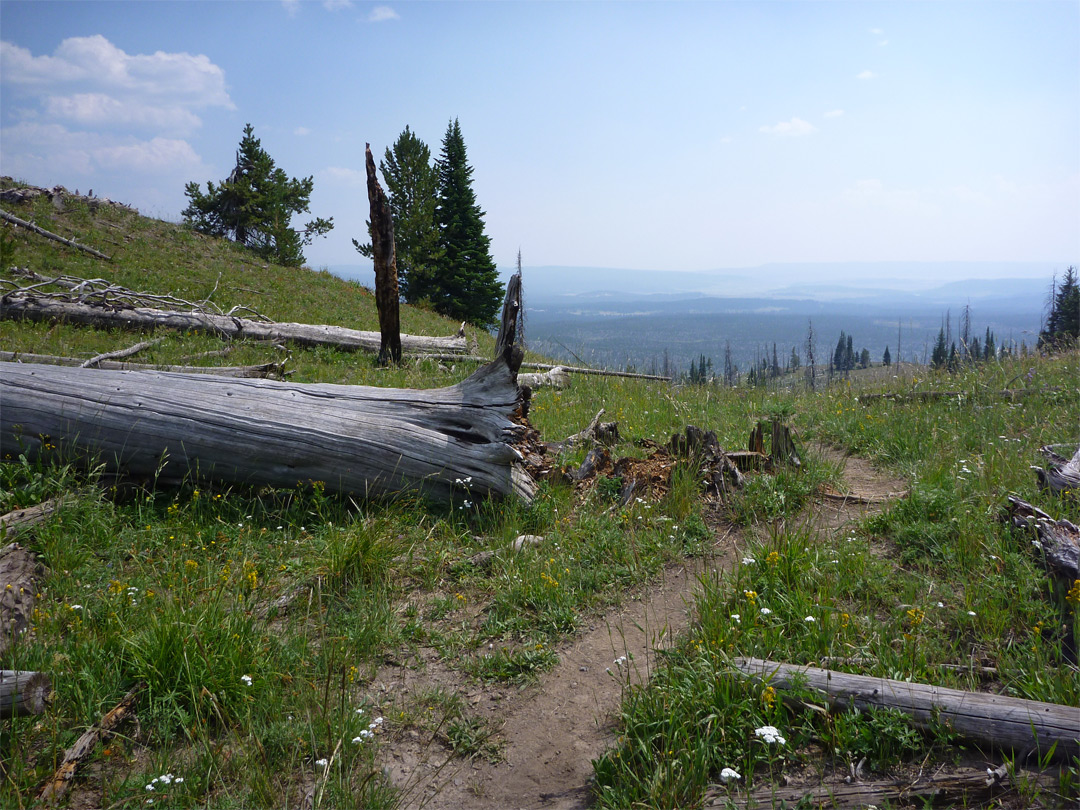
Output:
x=24 y=693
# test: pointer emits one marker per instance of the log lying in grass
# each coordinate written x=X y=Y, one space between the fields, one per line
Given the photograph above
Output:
x=24 y=693
x=39 y=308
x=355 y=439
x=962 y=788
x=1061 y=474
x=275 y=370
x=1023 y=726
x=1059 y=540
x=20 y=574
x=85 y=746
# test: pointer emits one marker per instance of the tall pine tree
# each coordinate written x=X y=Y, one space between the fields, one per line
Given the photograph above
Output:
x=411 y=184
x=468 y=285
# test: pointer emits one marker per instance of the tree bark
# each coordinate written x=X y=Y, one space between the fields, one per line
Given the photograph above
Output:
x=37 y=308
x=1007 y=723
x=384 y=255
x=24 y=693
x=20 y=573
x=355 y=439
x=1062 y=474
x=1058 y=539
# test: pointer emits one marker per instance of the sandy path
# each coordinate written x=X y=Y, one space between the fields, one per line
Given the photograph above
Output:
x=554 y=729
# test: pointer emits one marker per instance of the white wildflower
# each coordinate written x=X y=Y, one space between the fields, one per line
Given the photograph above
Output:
x=322 y=763
x=809 y=620
x=748 y=561
x=770 y=735
x=246 y=679
x=735 y=617
x=729 y=774
x=765 y=611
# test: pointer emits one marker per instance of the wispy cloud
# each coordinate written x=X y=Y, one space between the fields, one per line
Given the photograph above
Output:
x=382 y=14
x=92 y=106
x=793 y=128
x=834 y=114
x=866 y=75
x=292 y=7
x=301 y=131
x=336 y=5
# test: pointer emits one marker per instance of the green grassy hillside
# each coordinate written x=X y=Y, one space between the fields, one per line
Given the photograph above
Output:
x=247 y=703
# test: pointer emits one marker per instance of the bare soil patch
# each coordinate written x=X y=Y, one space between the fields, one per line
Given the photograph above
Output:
x=550 y=731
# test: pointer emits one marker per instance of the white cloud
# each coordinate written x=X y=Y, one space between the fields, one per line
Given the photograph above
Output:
x=866 y=74
x=382 y=14
x=336 y=5
x=834 y=113
x=94 y=63
x=793 y=128
x=49 y=152
x=877 y=32
x=883 y=43
x=301 y=131
x=101 y=110
x=292 y=7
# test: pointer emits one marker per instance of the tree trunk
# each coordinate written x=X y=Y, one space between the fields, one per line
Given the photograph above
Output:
x=355 y=439
x=1007 y=723
x=1058 y=539
x=24 y=693
x=385 y=257
x=38 y=308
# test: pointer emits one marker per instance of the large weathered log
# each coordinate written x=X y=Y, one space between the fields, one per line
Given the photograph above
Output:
x=38 y=308
x=384 y=256
x=24 y=693
x=356 y=439
x=1024 y=726
x=261 y=370
x=20 y=573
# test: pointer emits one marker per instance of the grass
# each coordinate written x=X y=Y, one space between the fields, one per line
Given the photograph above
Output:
x=174 y=587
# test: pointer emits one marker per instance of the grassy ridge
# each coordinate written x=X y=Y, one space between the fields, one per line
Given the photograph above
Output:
x=255 y=705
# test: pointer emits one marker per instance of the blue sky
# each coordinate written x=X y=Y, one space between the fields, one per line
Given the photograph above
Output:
x=666 y=136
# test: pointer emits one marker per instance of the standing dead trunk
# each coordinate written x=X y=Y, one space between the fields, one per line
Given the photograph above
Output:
x=355 y=439
x=385 y=257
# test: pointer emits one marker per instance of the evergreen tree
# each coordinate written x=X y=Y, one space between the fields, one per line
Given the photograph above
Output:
x=849 y=355
x=774 y=369
x=794 y=362
x=1063 y=320
x=989 y=352
x=411 y=185
x=468 y=285
x=953 y=363
x=886 y=360
x=864 y=358
x=255 y=206
x=940 y=356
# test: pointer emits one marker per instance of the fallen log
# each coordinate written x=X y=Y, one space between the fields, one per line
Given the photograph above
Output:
x=1023 y=726
x=30 y=226
x=33 y=307
x=1061 y=474
x=1059 y=540
x=23 y=694
x=598 y=372
x=20 y=573
x=555 y=378
x=963 y=788
x=354 y=439
x=119 y=354
x=261 y=370
x=83 y=748
x=1011 y=394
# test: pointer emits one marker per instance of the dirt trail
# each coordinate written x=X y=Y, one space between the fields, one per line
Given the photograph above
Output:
x=553 y=730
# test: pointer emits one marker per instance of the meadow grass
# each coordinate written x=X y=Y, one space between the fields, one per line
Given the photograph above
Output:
x=251 y=704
